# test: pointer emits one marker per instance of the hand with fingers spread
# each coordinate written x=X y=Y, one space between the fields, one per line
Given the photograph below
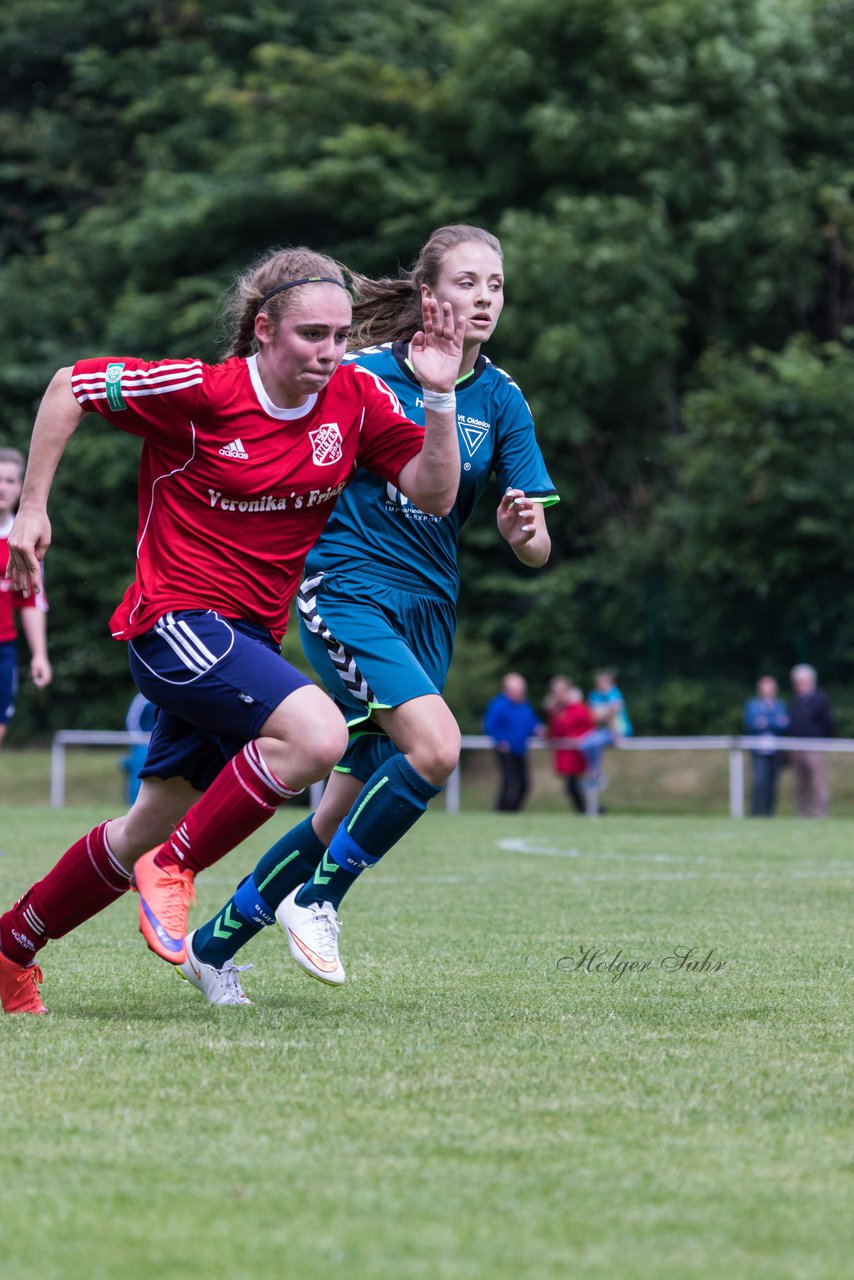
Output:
x=436 y=350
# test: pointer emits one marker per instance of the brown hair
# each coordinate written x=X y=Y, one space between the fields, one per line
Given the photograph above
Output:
x=275 y=268
x=390 y=309
x=13 y=455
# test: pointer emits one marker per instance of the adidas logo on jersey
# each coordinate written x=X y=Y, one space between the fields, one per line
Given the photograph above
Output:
x=234 y=450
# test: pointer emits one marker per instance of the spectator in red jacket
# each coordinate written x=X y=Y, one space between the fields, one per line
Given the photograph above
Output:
x=569 y=717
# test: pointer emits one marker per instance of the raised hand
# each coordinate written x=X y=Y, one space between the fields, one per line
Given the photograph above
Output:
x=436 y=350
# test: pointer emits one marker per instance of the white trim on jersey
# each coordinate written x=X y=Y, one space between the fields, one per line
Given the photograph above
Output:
x=150 y=391
x=166 y=476
x=383 y=386
x=157 y=381
x=275 y=410
x=165 y=372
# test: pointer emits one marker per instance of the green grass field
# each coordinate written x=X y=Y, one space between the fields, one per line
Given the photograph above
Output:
x=470 y=1104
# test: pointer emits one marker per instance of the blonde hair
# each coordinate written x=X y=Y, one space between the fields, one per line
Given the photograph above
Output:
x=387 y=309
x=274 y=268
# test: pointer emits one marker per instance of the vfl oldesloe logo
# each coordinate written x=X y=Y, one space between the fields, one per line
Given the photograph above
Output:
x=326 y=444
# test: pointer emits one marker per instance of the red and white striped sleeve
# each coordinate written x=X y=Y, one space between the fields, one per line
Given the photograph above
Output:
x=143 y=397
x=388 y=439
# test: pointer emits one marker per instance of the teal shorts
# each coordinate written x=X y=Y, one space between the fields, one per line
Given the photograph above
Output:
x=374 y=645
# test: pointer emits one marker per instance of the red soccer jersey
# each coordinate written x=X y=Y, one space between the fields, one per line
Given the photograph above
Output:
x=11 y=600
x=570 y=721
x=233 y=490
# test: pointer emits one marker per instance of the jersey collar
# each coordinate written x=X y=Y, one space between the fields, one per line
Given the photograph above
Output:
x=275 y=410
x=399 y=351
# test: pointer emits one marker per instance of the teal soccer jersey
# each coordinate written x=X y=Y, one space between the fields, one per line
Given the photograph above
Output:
x=374 y=527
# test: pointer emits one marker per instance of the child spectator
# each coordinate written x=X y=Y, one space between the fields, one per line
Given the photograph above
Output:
x=569 y=717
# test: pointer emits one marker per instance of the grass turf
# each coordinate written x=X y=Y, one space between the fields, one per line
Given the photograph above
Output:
x=470 y=1104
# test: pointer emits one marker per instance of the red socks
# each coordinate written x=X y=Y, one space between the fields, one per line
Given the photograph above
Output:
x=88 y=877
x=85 y=880
x=239 y=800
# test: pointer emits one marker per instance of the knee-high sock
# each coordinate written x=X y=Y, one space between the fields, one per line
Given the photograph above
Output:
x=391 y=801
x=241 y=797
x=87 y=878
x=290 y=861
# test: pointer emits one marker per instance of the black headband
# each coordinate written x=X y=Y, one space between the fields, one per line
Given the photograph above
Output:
x=292 y=284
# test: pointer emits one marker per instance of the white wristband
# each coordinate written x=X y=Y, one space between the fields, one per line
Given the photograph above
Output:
x=440 y=401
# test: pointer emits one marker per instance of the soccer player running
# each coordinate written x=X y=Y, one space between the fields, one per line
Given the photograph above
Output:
x=378 y=614
x=240 y=467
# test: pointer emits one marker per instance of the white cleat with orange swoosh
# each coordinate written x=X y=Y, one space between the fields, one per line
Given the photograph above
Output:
x=312 y=934
x=221 y=986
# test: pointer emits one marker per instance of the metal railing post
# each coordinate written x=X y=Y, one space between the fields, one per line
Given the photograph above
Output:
x=57 y=773
x=452 y=791
x=736 y=783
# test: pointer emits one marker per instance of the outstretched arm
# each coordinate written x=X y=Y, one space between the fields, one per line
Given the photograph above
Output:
x=56 y=421
x=432 y=477
x=522 y=523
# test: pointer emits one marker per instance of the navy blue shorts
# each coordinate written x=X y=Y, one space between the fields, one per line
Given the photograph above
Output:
x=214 y=681
x=8 y=679
x=374 y=645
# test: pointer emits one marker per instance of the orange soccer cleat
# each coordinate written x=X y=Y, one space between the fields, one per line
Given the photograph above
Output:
x=19 y=987
x=165 y=894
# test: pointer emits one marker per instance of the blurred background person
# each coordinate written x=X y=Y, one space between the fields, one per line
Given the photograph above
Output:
x=569 y=717
x=810 y=716
x=765 y=716
x=608 y=708
x=32 y=608
x=510 y=721
x=608 y=705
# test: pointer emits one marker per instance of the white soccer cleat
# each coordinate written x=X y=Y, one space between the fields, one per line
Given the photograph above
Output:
x=221 y=986
x=312 y=934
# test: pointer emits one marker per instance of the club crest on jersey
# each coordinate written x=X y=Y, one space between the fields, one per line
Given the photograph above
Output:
x=326 y=444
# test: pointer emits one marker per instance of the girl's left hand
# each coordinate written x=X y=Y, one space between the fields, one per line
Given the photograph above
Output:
x=515 y=518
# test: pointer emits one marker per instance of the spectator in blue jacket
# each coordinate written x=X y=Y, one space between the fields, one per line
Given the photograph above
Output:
x=510 y=721
x=765 y=716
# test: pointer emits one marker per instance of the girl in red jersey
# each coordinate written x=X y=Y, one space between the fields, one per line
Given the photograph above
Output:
x=569 y=718
x=240 y=466
x=32 y=609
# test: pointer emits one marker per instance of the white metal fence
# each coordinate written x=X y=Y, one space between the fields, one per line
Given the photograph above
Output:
x=735 y=746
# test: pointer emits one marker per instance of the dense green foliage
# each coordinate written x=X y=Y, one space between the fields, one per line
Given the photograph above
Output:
x=672 y=181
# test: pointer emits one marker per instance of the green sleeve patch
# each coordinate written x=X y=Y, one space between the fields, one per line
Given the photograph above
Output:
x=115 y=399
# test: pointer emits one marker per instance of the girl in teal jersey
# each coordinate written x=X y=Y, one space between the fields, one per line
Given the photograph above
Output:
x=378 y=614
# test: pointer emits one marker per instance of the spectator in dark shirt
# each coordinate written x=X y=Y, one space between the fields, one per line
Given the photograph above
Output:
x=810 y=716
x=765 y=716
x=510 y=720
